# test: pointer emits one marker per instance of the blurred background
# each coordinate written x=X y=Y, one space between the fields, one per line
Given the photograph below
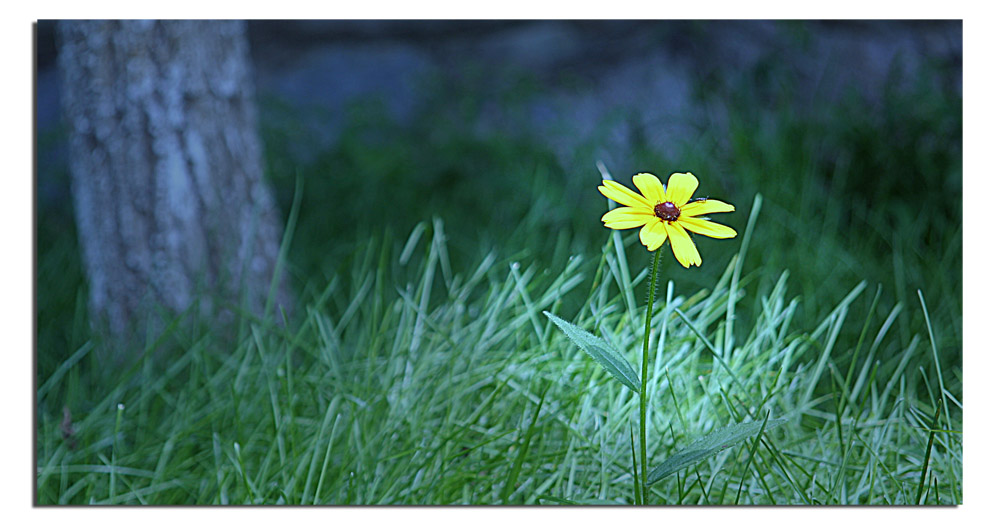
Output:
x=850 y=131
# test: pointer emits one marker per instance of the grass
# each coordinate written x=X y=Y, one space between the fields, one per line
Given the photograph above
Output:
x=384 y=395
x=419 y=367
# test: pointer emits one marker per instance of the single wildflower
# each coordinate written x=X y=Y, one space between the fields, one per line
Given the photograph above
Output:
x=665 y=213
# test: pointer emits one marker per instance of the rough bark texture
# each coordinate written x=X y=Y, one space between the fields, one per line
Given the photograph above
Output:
x=166 y=169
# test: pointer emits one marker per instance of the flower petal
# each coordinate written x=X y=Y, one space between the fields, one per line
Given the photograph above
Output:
x=706 y=227
x=653 y=234
x=680 y=187
x=627 y=217
x=623 y=195
x=651 y=188
x=684 y=248
x=703 y=207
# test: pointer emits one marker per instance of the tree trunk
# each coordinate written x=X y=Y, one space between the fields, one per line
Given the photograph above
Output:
x=165 y=163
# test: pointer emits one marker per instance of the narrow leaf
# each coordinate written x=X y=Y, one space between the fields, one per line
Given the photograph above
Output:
x=601 y=351
x=708 y=446
x=515 y=471
x=927 y=454
x=753 y=451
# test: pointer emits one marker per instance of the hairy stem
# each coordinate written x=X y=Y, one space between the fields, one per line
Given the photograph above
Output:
x=642 y=377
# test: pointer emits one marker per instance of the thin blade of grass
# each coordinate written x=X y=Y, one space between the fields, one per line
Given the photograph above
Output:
x=753 y=452
x=927 y=455
x=515 y=470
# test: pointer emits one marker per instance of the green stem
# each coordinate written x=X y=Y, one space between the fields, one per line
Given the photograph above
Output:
x=645 y=365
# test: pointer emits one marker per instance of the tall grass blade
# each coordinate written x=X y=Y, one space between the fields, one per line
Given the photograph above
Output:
x=927 y=454
x=937 y=361
x=753 y=451
x=734 y=283
x=63 y=368
x=515 y=470
x=711 y=348
x=286 y=240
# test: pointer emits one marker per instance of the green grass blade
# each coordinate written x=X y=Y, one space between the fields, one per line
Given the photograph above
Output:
x=711 y=348
x=286 y=240
x=515 y=470
x=753 y=452
x=61 y=371
x=734 y=283
x=937 y=361
x=927 y=454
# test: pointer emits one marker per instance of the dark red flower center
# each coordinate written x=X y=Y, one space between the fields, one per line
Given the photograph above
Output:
x=667 y=211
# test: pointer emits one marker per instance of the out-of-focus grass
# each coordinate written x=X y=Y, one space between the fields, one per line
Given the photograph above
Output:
x=60 y=298
x=855 y=190
x=858 y=190
x=383 y=177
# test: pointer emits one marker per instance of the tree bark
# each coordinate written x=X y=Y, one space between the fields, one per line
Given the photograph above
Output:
x=165 y=163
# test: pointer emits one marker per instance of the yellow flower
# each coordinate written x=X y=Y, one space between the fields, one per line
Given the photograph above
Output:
x=665 y=213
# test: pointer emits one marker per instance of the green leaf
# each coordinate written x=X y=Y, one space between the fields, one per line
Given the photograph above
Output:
x=707 y=446
x=605 y=355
